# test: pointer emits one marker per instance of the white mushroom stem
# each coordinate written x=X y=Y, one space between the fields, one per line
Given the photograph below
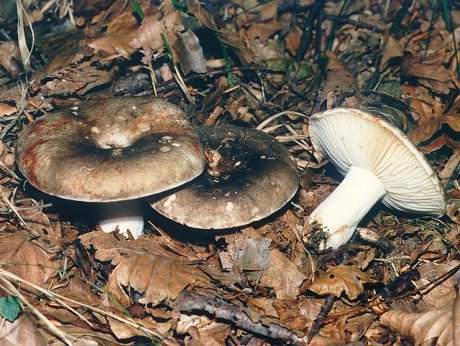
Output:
x=126 y=215
x=345 y=207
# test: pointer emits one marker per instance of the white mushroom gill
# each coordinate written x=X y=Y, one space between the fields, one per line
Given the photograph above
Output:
x=378 y=162
x=125 y=215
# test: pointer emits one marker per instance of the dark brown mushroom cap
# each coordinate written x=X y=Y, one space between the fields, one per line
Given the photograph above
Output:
x=253 y=176
x=110 y=150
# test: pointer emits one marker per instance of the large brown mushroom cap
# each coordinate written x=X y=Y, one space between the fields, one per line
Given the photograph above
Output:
x=250 y=176
x=110 y=150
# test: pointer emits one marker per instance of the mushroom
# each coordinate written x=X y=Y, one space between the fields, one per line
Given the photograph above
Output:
x=378 y=162
x=249 y=177
x=112 y=150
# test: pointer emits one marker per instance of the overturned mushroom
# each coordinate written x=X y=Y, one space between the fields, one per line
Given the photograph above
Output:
x=378 y=162
x=113 y=150
x=249 y=177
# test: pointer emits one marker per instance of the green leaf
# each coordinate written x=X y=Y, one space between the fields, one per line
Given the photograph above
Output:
x=10 y=307
x=138 y=10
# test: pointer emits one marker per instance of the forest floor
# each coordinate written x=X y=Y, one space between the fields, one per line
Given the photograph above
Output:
x=269 y=65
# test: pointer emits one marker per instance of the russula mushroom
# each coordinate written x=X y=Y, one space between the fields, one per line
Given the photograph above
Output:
x=249 y=177
x=378 y=162
x=112 y=150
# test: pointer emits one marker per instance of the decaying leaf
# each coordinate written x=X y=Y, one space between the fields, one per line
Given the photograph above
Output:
x=22 y=331
x=283 y=276
x=441 y=326
x=453 y=210
x=213 y=334
x=341 y=279
x=154 y=277
x=189 y=53
x=339 y=80
x=432 y=117
x=10 y=57
x=110 y=248
x=250 y=252
x=25 y=259
x=392 y=50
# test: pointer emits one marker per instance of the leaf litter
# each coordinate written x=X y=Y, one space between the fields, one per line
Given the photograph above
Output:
x=269 y=64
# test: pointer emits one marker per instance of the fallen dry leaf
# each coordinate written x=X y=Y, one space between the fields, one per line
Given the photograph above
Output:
x=110 y=248
x=339 y=81
x=10 y=57
x=214 y=334
x=6 y=109
x=341 y=279
x=152 y=31
x=442 y=293
x=189 y=53
x=432 y=117
x=23 y=331
x=392 y=50
x=25 y=259
x=154 y=277
x=453 y=210
x=282 y=275
x=442 y=324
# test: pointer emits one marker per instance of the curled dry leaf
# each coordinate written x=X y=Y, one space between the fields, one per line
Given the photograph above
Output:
x=10 y=57
x=25 y=259
x=109 y=248
x=120 y=32
x=431 y=120
x=440 y=325
x=156 y=278
x=339 y=80
x=453 y=210
x=23 y=331
x=150 y=35
x=341 y=279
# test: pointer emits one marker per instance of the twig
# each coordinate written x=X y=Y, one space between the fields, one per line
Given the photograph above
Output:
x=189 y=301
x=62 y=335
x=53 y=295
x=319 y=320
x=308 y=30
x=277 y=115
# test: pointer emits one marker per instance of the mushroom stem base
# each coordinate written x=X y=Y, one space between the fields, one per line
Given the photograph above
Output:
x=126 y=215
x=339 y=214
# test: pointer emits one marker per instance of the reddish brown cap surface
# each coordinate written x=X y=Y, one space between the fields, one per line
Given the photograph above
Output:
x=110 y=150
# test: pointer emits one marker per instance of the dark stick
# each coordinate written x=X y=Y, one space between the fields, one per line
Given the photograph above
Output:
x=308 y=30
x=189 y=301
x=319 y=320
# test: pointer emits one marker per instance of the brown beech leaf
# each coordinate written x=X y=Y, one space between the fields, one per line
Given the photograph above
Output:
x=339 y=80
x=123 y=330
x=110 y=248
x=442 y=325
x=226 y=35
x=392 y=50
x=10 y=57
x=156 y=278
x=341 y=279
x=282 y=275
x=120 y=32
x=150 y=35
x=442 y=293
x=214 y=334
x=453 y=210
x=22 y=331
x=25 y=259
x=189 y=53
x=432 y=117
